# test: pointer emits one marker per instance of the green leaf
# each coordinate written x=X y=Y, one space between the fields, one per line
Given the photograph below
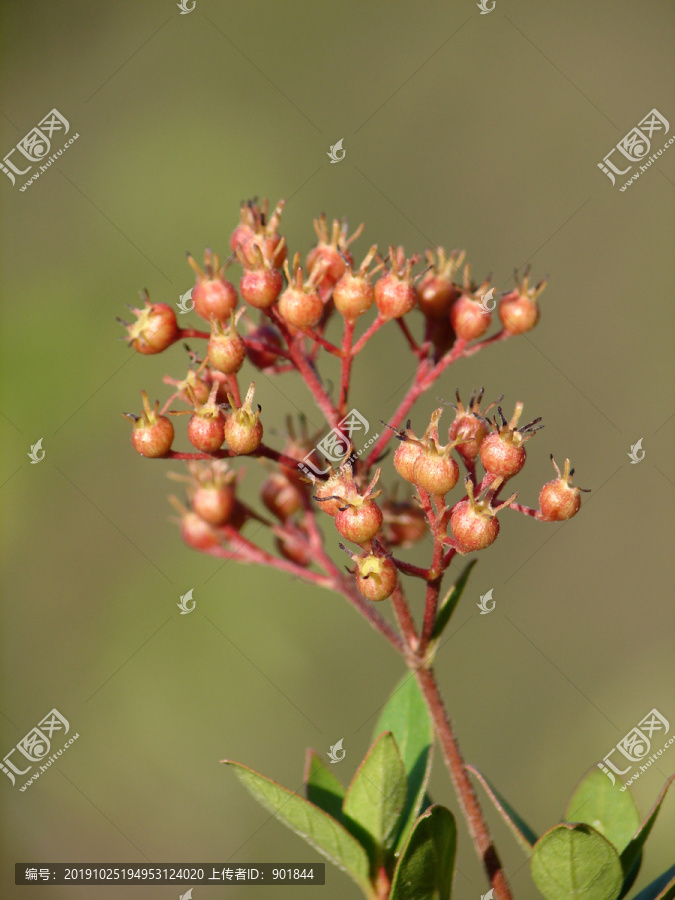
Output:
x=375 y=798
x=663 y=888
x=634 y=848
x=447 y=606
x=314 y=825
x=521 y=830
x=424 y=871
x=322 y=787
x=407 y=718
x=575 y=862
x=598 y=802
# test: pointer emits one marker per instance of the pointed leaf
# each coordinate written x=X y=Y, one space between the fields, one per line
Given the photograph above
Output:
x=663 y=888
x=375 y=798
x=598 y=802
x=575 y=862
x=425 y=869
x=521 y=830
x=447 y=606
x=322 y=787
x=634 y=848
x=311 y=823
x=408 y=719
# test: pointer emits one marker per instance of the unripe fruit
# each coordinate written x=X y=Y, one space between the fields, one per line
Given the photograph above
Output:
x=280 y=496
x=226 y=349
x=265 y=334
x=300 y=304
x=156 y=327
x=261 y=287
x=518 y=309
x=404 y=524
x=376 y=577
x=436 y=292
x=502 y=453
x=197 y=533
x=469 y=428
x=472 y=528
x=330 y=494
x=295 y=548
x=213 y=296
x=152 y=434
x=558 y=499
x=359 y=524
x=254 y=234
x=395 y=294
x=468 y=318
x=206 y=430
x=353 y=294
x=405 y=457
x=243 y=428
x=214 y=504
x=331 y=253
x=436 y=473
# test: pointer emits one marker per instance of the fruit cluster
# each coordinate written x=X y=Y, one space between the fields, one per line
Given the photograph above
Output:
x=296 y=306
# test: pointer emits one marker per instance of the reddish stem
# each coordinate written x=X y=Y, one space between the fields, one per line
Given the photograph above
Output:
x=183 y=333
x=346 y=368
x=370 y=331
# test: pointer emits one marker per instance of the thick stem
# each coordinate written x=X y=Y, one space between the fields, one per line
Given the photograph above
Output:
x=466 y=795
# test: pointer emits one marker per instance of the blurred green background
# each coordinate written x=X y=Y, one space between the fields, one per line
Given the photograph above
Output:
x=479 y=131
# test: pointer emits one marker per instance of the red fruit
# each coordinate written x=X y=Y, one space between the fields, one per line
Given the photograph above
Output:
x=558 y=500
x=474 y=522
x=518 y=309
x=197 y=533
x=330 y=494
x=353 y=294
x=435 y=472
x=265 y=334
x=468 y=318
x=261 y=287
x=226 y=348
x=359 y=523
x=395 y=294
x=206 y=431
x=404 y=524
x=152 y=434
x=331 y=253
x=502 y=453
x=300 y=304
x=243 y=428
x=280 y=496
x=469 y=427
x=405 y=457
x=255 y=235
x=213 y=296
x=471 y=528
x=296 y=548
x=437 y=291
x=156 y=327
x=376 y=577
x=214 y=504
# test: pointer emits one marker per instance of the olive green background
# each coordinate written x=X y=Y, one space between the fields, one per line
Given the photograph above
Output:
x=479 y=131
